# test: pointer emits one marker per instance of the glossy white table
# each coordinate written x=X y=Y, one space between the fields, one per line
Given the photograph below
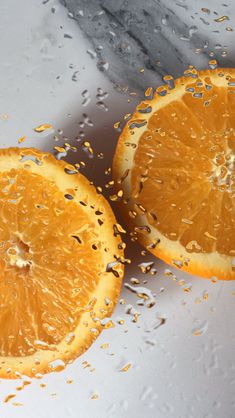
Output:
x=174 y=373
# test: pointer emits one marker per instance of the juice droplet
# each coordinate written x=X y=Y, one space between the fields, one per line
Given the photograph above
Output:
x=42 y=128
x=17 y=404
x=229 y=29
x=126 y=367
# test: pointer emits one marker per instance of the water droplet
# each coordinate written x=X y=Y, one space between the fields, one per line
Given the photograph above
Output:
x=169 y=80
x=9 y=397
x=87 y=120
x=74 y=76
x=165 y=20
x=192 y=30
x=22 y=139
x=200 y=328
x=126 y=367
x=92 y=54
x=221 y=19
x=205 y=10
x=57 y=365
x=25 y=158
x=101 y=94
x=143 y=293
x=70 y=15
x=117 y=196
x=102 y=65
x=94 y=396
x=149 y=93
x=43 y=127
x=102 y=105
x=137 y=123
x=145 y=267
x=86 y=146
x=178 y=263
x=104 y=346
x=68 y=36
x=213 y=64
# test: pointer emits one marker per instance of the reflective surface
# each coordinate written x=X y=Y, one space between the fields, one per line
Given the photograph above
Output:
x=174 y=358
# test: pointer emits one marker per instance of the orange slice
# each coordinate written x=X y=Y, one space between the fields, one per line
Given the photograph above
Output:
x=175 y=161
x=60 y=263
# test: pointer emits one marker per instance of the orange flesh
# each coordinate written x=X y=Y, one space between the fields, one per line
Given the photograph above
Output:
x=48 y=263
x=186 y=161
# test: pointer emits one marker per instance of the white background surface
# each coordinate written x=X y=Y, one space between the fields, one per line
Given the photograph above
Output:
x=173 y=373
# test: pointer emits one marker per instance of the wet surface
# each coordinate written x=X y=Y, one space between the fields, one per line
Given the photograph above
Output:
x=169 y=349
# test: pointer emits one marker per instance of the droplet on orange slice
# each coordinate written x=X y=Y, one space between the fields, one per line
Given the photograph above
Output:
x=175 y=161
x=56 y=240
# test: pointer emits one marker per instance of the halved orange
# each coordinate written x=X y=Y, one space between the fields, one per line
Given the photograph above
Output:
x=175 y=161
x=60 y=263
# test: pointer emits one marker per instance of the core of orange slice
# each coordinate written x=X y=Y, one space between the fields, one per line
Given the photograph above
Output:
x=175 y=161
x=60 y=263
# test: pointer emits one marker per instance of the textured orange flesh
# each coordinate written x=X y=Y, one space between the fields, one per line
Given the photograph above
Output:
x=48 y=263
x=184 y=168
